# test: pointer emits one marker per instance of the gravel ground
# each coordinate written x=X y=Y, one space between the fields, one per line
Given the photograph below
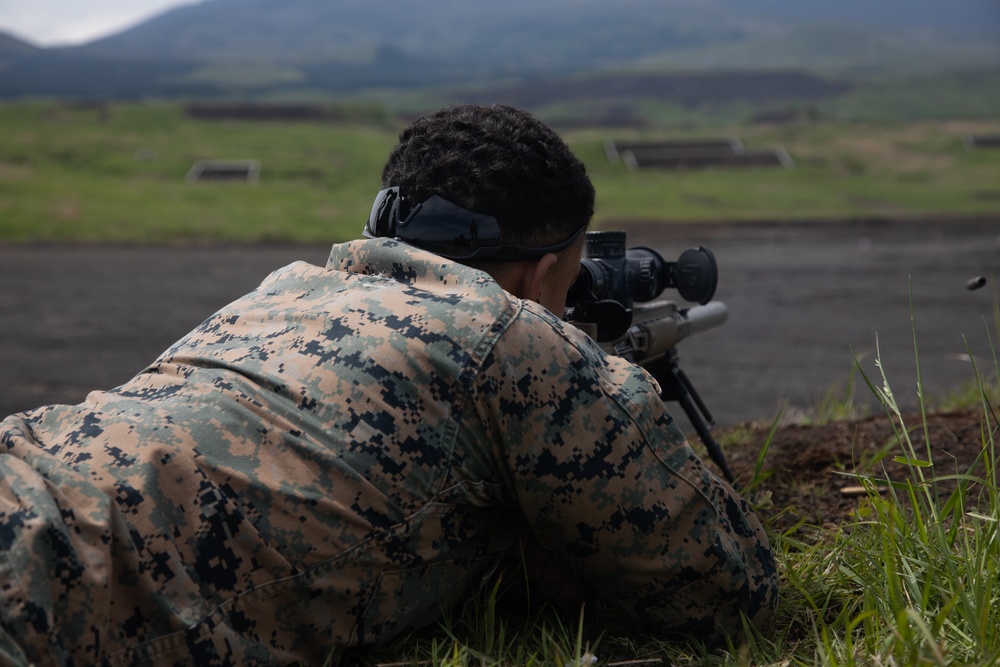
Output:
x=804 y=299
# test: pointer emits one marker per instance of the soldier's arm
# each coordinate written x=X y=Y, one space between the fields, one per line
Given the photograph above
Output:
x=607 y=481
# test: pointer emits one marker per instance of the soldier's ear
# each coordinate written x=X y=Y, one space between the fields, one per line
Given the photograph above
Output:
x=533 y=276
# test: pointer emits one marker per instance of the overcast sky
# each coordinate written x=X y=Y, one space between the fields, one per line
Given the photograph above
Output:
x=61 y=22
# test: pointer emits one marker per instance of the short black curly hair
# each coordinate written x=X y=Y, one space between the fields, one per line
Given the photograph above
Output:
x=495 y=160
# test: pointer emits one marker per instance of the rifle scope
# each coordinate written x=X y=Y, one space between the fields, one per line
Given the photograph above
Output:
x=612 y=278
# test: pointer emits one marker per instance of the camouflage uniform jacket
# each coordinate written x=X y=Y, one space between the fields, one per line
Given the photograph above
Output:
x=334 y=458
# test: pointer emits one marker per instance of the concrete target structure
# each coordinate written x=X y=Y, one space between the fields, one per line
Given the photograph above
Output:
x=695 y=154
x=247 y=171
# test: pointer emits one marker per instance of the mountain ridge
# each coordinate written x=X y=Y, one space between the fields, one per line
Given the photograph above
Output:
x=310 y=28
x=333 y=47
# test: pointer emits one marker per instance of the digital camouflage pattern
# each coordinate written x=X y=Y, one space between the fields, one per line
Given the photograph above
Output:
x=337 y=457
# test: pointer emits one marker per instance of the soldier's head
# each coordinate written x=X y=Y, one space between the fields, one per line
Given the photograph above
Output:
x=503 y=174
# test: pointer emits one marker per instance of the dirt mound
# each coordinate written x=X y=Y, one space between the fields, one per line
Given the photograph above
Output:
x=814 y=467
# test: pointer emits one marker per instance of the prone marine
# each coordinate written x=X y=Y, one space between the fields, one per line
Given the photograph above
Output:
x=338 y=456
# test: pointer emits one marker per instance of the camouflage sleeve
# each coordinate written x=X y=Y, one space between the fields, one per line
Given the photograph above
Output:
x=606 y=480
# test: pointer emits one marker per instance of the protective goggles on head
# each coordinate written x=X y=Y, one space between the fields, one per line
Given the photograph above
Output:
x=438 y=226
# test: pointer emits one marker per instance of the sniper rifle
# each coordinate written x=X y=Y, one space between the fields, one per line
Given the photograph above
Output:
x=615 y=301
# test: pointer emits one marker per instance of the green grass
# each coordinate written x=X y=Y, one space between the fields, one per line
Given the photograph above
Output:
x=931 y=95
x=85 y=174
x=116 y=173
x=927 y=91
x=842 y=170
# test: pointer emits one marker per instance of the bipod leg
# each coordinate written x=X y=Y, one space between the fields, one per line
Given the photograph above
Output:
x=675 y=386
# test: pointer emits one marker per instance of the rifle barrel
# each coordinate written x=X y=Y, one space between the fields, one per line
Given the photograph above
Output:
x=658 y=326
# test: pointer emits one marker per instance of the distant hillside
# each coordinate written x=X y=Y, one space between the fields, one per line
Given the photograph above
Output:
x=689 y=90
x=538 y=34
x=525 y=31
x=950 y=18
x=837 y=48
x=12 y=45
x=310 y=48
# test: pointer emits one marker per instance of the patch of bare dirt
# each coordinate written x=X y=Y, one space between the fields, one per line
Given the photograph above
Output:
x=814 y=467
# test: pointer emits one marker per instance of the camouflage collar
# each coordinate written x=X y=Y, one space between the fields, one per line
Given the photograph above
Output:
x=403 y=262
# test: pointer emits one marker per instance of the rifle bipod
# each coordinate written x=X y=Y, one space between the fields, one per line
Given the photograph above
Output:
x=675 y=386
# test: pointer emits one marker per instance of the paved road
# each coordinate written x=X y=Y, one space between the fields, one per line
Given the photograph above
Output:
x=803 y=299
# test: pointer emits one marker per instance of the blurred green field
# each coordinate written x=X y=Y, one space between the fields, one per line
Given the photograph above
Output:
x=117 y=173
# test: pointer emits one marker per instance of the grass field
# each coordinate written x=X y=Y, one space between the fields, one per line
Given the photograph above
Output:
x=117 y=173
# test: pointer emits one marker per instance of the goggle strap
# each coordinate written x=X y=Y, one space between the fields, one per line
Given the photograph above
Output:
x=466 y=235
